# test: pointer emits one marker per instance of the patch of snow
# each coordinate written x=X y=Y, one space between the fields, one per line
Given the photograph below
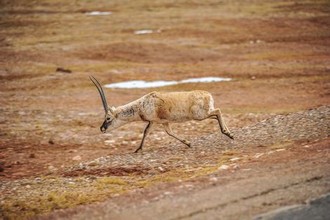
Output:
x=140 y=32
x=140 y=84
x=205 y=80
x=96 y=13
x=143 y=32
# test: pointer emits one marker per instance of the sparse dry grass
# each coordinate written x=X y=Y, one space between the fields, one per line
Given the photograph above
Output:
x=79 y=191
x=285 y=71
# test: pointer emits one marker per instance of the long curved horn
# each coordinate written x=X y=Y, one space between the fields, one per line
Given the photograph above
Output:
x=99 y=88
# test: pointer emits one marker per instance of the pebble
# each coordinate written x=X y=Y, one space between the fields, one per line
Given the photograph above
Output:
x=234 y=159
x=235 y=166
x=223 y=167
x=51 y=168
x=109 y=142
x=78 y=157
x=257 y=155
x=247 y=169
x=213 y=179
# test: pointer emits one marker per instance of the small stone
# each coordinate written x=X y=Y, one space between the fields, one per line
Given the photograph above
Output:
x=235 y=166
x=28 y=186
x=51 y=168
x=257 y=155
x=247 y=169
x=109 y=142
x=213 y=179
x=223 y=167
x=51 y=141
x=234 y=159
x=93 y=163
x=82 y=166
x=76 y=158
x=63 y=70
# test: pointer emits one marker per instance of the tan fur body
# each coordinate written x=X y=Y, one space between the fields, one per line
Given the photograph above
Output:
x=168 y=107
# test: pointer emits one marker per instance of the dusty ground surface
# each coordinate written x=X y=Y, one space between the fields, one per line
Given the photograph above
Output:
x=52 y=155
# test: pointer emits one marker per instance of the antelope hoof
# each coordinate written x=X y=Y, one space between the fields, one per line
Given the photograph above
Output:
x=230 y=136
x=187 y=143
x=137 y=150
x=227 y=133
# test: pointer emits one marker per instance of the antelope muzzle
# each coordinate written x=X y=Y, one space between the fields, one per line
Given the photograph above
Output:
x=104 y=127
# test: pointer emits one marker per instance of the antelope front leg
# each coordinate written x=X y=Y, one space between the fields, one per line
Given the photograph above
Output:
x=169 y=131
x=223 y=126
x=145 y=133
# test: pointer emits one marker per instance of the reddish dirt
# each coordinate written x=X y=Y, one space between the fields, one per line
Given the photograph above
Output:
x=276 y=52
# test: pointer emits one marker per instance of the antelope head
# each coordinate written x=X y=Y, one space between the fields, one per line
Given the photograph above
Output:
x=109 y=116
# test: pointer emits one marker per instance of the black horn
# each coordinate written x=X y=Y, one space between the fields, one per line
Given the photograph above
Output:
x=99 y=88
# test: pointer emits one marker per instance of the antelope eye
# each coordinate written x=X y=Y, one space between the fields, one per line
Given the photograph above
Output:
x=108 y=119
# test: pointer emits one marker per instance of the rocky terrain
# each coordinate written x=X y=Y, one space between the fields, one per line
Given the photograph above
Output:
x=55 y=162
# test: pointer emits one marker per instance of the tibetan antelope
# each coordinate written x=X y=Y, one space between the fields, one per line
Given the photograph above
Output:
x=162 y=108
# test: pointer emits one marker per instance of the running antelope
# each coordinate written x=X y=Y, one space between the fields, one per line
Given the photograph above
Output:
x=162 y=108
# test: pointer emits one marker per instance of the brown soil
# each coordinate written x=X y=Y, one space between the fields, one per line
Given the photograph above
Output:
x=277 y=53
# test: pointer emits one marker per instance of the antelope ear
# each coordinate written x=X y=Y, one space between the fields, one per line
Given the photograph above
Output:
x=112 y=110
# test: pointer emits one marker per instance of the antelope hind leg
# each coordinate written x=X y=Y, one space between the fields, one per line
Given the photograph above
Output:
x=145 y=133
x=223 y=126
x=169 y=131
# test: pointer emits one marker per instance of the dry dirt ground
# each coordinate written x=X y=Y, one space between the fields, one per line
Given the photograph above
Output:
x=53 y=156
